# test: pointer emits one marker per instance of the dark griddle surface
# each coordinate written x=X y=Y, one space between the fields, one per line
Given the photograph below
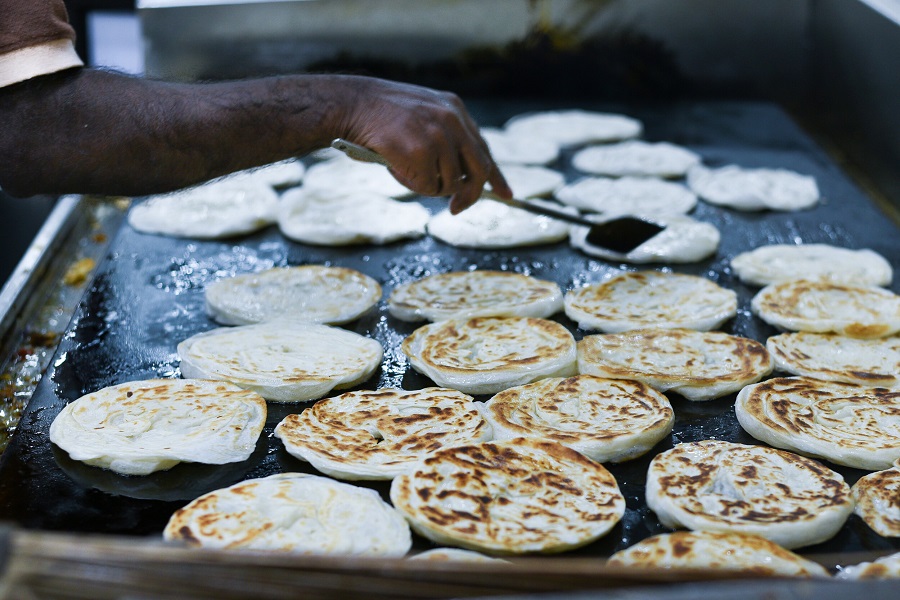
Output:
x=148 y=296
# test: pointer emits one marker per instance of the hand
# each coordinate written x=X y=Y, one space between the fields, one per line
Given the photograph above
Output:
x=428 y=136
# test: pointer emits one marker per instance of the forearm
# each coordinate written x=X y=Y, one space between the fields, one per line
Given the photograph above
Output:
x=89 y=131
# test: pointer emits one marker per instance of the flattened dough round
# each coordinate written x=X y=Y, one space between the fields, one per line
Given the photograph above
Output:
x=293 y=513
x=377 y=434
x=643 y=299
x=215 y=210
x=282 y=360
x=684 y=240
x=779 y=263
x=636 y=158
x=722 y=486
x=467 y=294
x=832 y=357
x=575 y=127
x=606 y=420
x=314 y=293
x=728 y=551
x=628 y=196
x=492 y=224
x=848 y=424
x=524 y=149
x=311 y=216
x=343 y=175
x=513 y=497
x=754 y=189
x=820 y=306
x=699 y=365
x=140 y=427
x=877 y=497
x=486 y=355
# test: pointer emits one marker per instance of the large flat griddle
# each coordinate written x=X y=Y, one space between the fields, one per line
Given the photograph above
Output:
x=148 y=296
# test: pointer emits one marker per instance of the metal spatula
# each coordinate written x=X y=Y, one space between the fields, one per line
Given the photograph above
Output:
x=619 y=234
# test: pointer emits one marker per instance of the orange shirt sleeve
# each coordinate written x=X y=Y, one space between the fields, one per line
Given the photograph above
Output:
x=35 y=39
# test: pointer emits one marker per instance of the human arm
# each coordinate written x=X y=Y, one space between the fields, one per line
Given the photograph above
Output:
x=91 y=131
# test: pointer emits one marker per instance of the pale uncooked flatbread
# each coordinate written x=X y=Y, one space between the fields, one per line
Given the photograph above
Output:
x=491 y=224
x=219 y=209
x=877 y=498
x=282 y=174
x=642 y=299
x=779 y=263
x=513 y=497
x=848 y=424
x=467 y=294
x=455 y=555
x=699 y=365
x=683 y=240
x=139 y=427
x=727 y=551
x=313 y=216
x=507 y=148
x=637 y=158
x=886 y=567
x=293 y=513
x=283 y=360
x=715 y=485
x=574 y=127
x=606 y=420
x=486 y=355
x=314 y=293
x=754 y=189
x=532 y=182
x=820 y=306
x=343 y=175
x=378 y=434
x=832 y=357
x=628 y=196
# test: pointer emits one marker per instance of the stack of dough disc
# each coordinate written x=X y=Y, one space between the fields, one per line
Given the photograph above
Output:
x=219 y=209
x=486 y=355
x=699 y=365
x=313 y=216
x=886 y=567
x=492 y=224
x=636 y=158
x=513 y=497
x=628 y=195
x=314 y=293
x=467 y=294
x=847 y=424
x=281 y=174
x=651 y=299
x=606 y=420
x=779 y=263
x=140 y=427
x=293 y=513
x=874 y=362
x=377 y=434
x=754 y=189
x=283 y=360
x=683 y=240
x=821 y=306
x=877 y=497
x=574 y=127
x=728 y=551
x=722 y=486
x=510 y=148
